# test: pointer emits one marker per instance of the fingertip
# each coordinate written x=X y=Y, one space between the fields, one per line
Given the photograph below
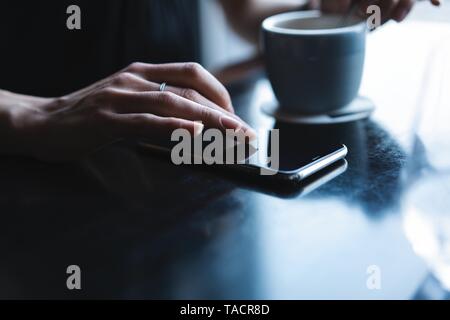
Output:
x=251 y=134
x=229 y=107
x=399 y=17
x=227 y=122
x=437 y=3
x=198 y=128
x=195 y=128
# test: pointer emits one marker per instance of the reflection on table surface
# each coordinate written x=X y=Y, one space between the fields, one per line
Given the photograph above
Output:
x=140 y=227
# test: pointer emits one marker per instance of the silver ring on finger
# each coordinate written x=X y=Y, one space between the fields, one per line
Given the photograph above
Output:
x=162 y=87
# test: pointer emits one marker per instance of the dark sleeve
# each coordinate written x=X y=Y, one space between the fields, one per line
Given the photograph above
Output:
x=40 y=56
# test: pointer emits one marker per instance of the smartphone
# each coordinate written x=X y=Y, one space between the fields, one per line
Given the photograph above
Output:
x=299 y=157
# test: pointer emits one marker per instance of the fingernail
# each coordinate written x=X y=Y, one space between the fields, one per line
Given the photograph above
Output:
x=230 y=123
x=198 y=128
x=402 y=15
x=251 y=134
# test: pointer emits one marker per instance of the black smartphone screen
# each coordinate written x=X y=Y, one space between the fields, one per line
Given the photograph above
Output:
x=294 y=149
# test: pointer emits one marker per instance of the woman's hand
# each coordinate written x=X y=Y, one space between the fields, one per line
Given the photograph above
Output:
x=126 y=105
x=390 y=9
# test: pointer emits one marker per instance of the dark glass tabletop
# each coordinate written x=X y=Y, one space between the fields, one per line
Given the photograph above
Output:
x=140 y=227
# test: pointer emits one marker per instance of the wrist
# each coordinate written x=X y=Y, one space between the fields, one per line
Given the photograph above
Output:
x=20 y=116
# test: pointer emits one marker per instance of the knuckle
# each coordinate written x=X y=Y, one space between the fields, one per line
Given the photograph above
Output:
x=193 y=69
x=135 y=66
x=174 y=123
x=104 y=96
x=123 y=78
x=190 y=94
x=166 y=98
x=206 y=114
x=102 y=116
x=141 y=118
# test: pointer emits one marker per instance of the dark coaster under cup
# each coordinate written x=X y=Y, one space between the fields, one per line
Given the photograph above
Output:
x=360 y=108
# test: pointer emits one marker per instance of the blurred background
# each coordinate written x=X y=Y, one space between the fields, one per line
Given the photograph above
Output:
x=221 y=46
